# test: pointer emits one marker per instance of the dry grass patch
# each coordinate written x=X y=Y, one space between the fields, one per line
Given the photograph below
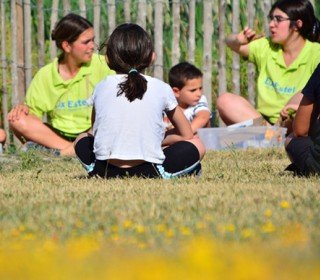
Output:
x=242 y=197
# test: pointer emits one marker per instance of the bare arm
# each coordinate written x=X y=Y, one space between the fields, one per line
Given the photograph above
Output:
x=17 y=111
x=301 y=123
x=239 y=43
x=292 y=104
x=182 y=126
x=93 y=117
x=201 y=120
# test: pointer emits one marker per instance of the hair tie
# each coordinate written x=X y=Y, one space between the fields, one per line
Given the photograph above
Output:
x=133 y=70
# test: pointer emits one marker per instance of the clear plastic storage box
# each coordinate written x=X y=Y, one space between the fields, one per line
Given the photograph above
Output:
x=221 y=138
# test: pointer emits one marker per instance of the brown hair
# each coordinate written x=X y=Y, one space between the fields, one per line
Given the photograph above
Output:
x=69 y=29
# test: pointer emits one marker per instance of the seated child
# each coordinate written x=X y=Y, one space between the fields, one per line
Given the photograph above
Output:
x=186 y=82
x=128 y=131
x=303 y=145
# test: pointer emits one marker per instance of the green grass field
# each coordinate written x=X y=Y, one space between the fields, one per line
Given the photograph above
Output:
x=244 y=218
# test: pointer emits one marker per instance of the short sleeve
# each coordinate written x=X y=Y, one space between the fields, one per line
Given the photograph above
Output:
x=312 y=88
x=257 y=50
x=171 y=101
x=34 y=97
x=202 y=105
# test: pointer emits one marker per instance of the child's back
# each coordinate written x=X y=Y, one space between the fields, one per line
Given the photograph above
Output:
x=131 y=129
x=128 y=132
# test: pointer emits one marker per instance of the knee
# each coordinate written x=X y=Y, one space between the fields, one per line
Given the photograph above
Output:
x=20 y=125
x=288 y=140
x=196 y=141
x=81 y=136
x=3 y=136
x=223 y=101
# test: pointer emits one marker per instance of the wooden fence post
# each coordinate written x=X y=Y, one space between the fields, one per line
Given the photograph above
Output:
x=14 y=63
x=82 y=7
x=266 y=6
x=127 y=9
x=142 y=13
x=40 y=34
x=96 y=21
x=4 y=66
x=66 y=7
x=235 y=56
x=222 y=48
x=27 y=43
x=251 y=68
x=20 y=52
x=192 y=30
x=111 y=15
x=158 y=39
x=175 y=32
x=207 y=50
x=53 y=21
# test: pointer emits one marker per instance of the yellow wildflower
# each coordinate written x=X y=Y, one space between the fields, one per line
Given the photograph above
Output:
x=268 y=213
x=127 y=224
x=15 y=232
x=169 y=233
x=247 y=233
x=185 y=231
x=268 y=227
x=284 y=204
x=200 y=225
x=230 y=228
x=21 y=228
x=161 y=227
x=114 y=228
x=140 y=229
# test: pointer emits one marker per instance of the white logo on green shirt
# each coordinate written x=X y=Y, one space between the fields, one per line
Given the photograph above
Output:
x=279 y=88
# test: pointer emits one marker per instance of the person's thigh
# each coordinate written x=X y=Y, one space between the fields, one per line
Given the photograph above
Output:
x=234 y=108
x=84 y=151
x=302 y=151
x=182 y=158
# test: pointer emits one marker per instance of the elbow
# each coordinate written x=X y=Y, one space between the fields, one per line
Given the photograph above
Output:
x=300 y=132
x=189 y=136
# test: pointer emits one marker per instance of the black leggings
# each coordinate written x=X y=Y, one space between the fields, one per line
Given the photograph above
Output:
x=181 y=158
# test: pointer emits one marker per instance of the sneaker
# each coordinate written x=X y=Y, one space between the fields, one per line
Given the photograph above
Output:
x=32 y=146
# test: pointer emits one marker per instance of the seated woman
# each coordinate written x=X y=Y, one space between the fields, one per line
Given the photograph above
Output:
x=303 y=145
x=60 y=90
x=285 y=62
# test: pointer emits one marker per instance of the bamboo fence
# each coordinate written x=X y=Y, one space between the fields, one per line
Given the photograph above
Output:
x=182 y=30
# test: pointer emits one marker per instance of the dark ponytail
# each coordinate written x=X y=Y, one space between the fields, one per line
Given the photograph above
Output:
x=134 y=86
x=130 y=51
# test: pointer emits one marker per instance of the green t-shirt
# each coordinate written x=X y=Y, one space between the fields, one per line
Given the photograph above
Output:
x=276 y=82
x=64 y=102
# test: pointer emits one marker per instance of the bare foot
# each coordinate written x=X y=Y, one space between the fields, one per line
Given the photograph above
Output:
x=68 y=151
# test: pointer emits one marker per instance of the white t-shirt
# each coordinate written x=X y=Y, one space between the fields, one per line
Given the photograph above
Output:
x=192 y=111
x=130 y=130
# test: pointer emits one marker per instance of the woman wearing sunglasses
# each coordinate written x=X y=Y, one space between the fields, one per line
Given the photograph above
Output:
x=284 y=61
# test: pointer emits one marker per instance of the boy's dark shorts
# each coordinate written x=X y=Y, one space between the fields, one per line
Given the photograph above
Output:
x=305 y=155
